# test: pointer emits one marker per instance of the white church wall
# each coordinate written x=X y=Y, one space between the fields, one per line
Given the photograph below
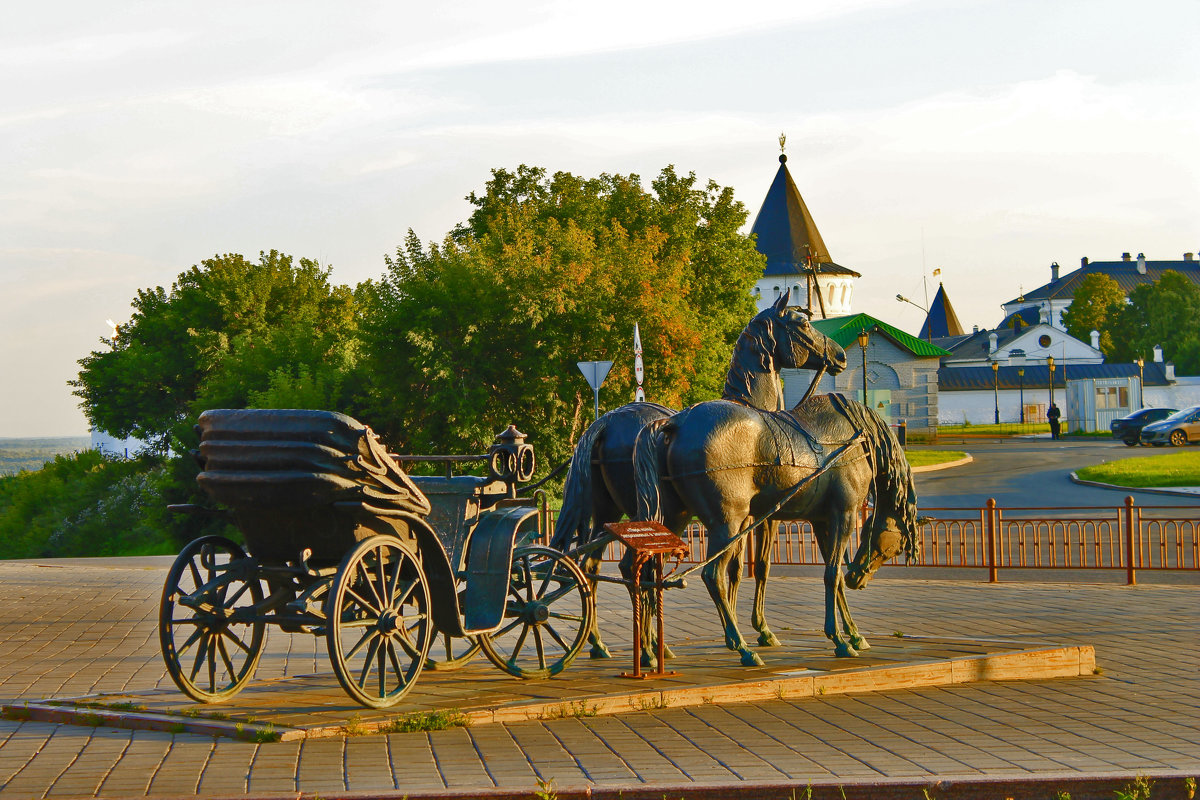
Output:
x=1183 y=393
x=978 y=407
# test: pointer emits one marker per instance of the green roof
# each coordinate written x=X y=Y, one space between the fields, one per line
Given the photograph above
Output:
x=845 y=330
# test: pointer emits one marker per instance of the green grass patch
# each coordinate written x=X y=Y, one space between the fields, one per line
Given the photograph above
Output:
x=427 y=721
x=1003 y=429
x=924 y=458
x=1169 y=469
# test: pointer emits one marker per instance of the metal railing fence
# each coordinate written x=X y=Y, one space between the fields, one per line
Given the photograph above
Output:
x=1128 y=538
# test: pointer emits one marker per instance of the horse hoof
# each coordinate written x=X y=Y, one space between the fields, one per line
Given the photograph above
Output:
x=599 y=651
x=859 y=643
x=649 y=661
x=767 y=639
x=845 y=651
x=751 y=659
x=668 y=652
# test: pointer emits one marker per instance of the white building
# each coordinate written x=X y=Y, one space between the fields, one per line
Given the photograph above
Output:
x=787 y=235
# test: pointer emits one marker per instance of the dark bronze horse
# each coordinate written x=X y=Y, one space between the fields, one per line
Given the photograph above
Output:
x=729 y=465
x=600 y=484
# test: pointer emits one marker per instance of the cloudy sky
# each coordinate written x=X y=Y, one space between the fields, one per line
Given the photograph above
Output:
x=985 y=138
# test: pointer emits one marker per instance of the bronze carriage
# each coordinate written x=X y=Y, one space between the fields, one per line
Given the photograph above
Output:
x=341 y=542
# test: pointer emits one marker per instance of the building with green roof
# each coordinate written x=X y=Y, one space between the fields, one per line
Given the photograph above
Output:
x=901 y=370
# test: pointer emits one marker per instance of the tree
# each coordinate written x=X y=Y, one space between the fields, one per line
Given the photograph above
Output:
x=228 y=331
x=1096 y=305
x=1166 y=313
x=484 y=330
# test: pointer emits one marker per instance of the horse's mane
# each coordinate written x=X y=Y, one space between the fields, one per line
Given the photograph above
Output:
x=751 y=356
x=895 y=494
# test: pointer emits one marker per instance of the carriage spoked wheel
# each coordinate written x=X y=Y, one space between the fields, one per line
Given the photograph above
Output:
x=451 y=652
x=379 y=628
x=547 y=615
x=206 y=628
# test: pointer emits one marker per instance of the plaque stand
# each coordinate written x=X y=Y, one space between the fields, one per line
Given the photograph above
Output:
x=650 y=543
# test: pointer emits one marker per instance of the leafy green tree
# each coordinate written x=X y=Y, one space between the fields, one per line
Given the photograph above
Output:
x=229 y=331
x=1097 y=303
x=465 y=337
x=1166 y=313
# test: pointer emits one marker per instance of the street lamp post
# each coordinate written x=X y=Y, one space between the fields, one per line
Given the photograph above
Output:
x=1021 y=380
x=929 y=328
x=863 y=340
x=1050 y=364
x=1141 y=382
x=996 y=387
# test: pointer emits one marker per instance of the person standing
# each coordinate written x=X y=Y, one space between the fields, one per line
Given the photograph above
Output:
x=1053 y=414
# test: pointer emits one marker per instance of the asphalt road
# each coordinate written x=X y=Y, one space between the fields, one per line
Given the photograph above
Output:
x=1034 y=472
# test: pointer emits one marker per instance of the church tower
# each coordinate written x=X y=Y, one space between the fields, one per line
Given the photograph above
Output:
x=797 y=257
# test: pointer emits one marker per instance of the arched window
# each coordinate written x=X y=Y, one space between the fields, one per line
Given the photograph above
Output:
x=777 y=292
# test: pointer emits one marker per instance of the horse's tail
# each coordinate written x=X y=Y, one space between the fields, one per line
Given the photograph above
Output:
x=895 y=491
x=648 y=452
x=575 y=516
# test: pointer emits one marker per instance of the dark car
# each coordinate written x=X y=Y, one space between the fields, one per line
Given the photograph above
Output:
x=1129 y=429
x=1178 y=429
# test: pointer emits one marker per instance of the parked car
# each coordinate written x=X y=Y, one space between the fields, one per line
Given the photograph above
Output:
x=1129 y=429
x=1178 y=429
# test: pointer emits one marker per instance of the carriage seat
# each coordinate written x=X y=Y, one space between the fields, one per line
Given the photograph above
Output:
x=268 y=458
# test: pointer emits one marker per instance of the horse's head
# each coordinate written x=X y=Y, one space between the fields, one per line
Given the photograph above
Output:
x=797 y=343
x=879 y=544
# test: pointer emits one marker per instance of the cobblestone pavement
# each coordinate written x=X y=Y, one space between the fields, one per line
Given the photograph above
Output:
x=71 y=629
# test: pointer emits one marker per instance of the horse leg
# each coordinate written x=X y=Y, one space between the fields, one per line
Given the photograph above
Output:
x=597 y=649
x=762 y=567
x=832 y=537
x=717 y=579
x=857 y=641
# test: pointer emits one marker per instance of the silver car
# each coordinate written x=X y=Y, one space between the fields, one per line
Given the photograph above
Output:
x=1178 y=429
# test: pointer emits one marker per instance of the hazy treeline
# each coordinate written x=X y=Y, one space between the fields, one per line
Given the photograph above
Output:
x=31 y=453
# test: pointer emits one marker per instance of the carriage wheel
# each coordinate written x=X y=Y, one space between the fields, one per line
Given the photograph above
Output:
x=210 y=646
x=379 y=629
x=451 y=652
x=547 y=615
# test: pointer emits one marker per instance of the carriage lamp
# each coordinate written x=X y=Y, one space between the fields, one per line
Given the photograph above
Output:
x=864 y=339
x=996 y=387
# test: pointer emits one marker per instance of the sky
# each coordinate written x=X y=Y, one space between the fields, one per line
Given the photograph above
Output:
x=984 y=139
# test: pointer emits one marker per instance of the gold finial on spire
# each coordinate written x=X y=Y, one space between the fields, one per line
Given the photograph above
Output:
x=782 y=141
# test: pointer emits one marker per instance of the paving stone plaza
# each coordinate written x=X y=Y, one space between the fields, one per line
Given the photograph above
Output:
x=70 y=629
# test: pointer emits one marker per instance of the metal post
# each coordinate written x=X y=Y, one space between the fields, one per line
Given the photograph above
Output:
x=1021 y=379
x=863 y=340
x=1050 y=383
x=991 y=540
x=596 y=392
x=1130 y=572
x=1141 y=362
x=996 y=388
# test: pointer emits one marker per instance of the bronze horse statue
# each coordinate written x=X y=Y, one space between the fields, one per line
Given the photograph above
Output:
x=600 y=486
x=728 y=465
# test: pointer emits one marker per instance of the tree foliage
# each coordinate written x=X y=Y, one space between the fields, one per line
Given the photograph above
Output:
x=1166 y=313
x=85 y=504
x=230 y=332
x=1097 y=303
x=484 y=329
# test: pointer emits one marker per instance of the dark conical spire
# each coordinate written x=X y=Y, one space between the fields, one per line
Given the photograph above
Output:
x=786 y=233
x=941 y=321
